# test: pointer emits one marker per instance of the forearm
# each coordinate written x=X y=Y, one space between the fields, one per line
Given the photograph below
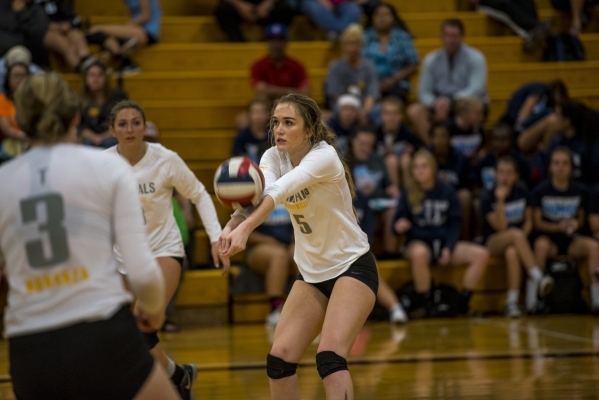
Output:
x=547 y=227
x=527 y=107
x=368 y=103
x=404 y=73
x=259 y=215
x=500 y=219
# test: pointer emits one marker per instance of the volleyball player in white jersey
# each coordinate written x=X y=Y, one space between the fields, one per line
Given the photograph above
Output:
x=159 y=171
x=71 y=331
x=338 y=280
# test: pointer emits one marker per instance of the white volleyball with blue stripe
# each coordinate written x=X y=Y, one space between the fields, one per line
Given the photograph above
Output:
x=238 y=183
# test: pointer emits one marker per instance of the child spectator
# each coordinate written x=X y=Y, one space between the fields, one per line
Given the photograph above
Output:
x=11 y=135
x=502 y=145
x=466 y=127
x=351 y=74
x=121 y=40
x=507 y=213
x=429 y=215
x=97 y=100
x=373 y=183
x=452 y=169
x=64 y=35
x=388 y=44
x=345 y=120
x=332 y=16
x=253 y=141
x=394 y=138
x=559 y=217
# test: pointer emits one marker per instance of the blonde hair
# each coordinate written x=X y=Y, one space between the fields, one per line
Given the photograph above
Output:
x=313 y=122
x=46 y=107
x=353 y=30
x=465 y=104
x=415 y=192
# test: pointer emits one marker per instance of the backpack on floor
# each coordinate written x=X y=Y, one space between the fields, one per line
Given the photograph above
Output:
x=566 y=296
x=445 y=301
x=564 y=47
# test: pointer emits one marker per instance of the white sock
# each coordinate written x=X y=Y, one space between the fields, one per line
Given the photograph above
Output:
x=170 y=368
x=535 y=273
x=395 y=307
x=532 y=288
x=512 y=296
x=595 y=295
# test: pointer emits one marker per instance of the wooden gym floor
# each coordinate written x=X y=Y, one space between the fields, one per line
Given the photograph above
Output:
x=554 y=357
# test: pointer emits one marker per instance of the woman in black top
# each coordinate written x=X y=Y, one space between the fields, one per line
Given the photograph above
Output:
x=559 y=215
x=507 y=224
x=97 y=100
x=429 y=215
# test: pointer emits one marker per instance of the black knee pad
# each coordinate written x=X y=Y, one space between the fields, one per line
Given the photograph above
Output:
x=277 y=368
x=329 y=362
x=151 y=339
x=96 y=38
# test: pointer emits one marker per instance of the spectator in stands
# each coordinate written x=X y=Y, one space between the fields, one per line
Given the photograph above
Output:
x=351 y=74
x=502 y=145
x=466 y=127
x=231 y=13
x=455 y=71
x=97 y=100
x=64 y=35
x=122 y=40
x=429 y=215
x=394 y=138
x=332 y=16
x=17 y=54
x=507 y=213
x=452 y=169
x=373 y=183
x=345 y=120
x=277 y=74
x=579 y=131
x=24 y=24
x=388 y=44
x=253 y=141
x=270 y=253
x=521 y=16
x=530 y=110
x=12 y=136
x=559 y=217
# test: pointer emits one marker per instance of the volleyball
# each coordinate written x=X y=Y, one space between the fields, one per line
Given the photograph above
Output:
x=238 y=183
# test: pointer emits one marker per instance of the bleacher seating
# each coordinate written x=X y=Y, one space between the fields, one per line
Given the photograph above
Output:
x=193 y=85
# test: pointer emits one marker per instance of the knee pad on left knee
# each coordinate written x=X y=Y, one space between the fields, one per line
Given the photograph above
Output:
x=151 y=339
x=329 y=362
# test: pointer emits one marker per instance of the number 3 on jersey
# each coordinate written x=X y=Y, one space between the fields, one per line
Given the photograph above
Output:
x=304 y=227
x=48 y=211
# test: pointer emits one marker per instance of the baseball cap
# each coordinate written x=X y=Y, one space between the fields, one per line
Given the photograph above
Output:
x=275 y=31
x=18 y=54
x=348 y=100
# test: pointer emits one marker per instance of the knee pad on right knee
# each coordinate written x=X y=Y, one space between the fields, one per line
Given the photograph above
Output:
x=151 y=339
x=277 y=368
x=329 y=362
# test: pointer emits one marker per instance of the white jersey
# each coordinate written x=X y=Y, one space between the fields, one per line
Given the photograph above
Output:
x=62 y=208
x=158 y=173
x=328 y=238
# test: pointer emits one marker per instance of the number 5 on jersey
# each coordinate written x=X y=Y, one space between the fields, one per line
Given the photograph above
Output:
x=304 y=227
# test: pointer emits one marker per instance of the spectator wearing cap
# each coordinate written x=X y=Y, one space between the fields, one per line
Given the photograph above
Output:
x=352 y=74
x=345 y=120
x=231 y=13
x=25 y=24
x=332 y=16
x=277 y=74
x=450 y=73
x=16 y=55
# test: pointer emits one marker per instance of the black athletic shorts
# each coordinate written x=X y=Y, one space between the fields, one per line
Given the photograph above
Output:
x=561 y=241
x=434 y=246
x=363 y=269
x=100 y=360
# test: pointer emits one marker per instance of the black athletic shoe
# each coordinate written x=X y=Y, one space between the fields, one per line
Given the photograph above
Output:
x=190 y=374
x=128 y=67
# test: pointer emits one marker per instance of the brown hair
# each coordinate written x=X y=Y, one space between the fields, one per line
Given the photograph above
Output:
x=508 y=160
x=395 y=101
x=125 y=105
x=313 y=122
x=565 y=150
x=415 y=192
x=259 y=100
x=455 y=22
x=46 y=107
x=465 y=104
x=87 y=97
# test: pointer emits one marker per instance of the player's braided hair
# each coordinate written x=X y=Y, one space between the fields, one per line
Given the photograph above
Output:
x=313 y=122
x=46 y=107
